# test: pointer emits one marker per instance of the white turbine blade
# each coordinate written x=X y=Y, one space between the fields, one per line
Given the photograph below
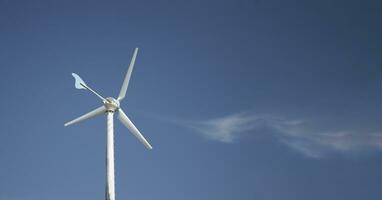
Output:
x=79 y=84
x=126 y=121
x=88 y=115
x=125 y=84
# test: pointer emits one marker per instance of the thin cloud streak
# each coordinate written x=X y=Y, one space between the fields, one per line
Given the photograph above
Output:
x=296 y=134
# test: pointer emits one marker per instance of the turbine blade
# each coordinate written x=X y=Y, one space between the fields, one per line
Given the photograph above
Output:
x=125 y=84
x=88 y=115
x=126 y=121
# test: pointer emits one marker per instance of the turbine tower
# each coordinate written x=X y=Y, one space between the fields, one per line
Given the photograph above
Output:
x=111 y=106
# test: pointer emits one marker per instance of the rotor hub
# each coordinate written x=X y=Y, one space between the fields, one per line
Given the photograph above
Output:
x=111 y=104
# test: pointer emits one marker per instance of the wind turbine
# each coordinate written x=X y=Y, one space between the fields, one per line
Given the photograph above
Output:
x=110 y=106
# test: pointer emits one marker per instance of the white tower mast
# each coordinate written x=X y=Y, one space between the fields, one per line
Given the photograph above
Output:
x=110 y=191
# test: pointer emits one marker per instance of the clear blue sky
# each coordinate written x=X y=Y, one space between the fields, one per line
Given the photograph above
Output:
x=240 y=99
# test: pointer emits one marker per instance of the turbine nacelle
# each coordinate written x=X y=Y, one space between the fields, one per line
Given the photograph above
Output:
x=111 y=104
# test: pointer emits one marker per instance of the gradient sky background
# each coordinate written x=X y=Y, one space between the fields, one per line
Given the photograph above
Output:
x=240 y=99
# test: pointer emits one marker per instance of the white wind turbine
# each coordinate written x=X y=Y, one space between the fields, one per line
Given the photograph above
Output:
x=110 y=106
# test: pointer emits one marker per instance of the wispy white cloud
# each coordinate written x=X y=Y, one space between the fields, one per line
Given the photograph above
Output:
x=296 y=134
x=225 y=129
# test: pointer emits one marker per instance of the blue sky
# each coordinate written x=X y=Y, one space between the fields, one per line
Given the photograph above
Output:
x=240 y=99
